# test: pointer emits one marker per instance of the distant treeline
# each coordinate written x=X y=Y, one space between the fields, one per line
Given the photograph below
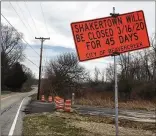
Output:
x=14 y=75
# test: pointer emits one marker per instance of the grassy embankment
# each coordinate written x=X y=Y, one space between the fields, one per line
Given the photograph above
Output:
x=65 y=124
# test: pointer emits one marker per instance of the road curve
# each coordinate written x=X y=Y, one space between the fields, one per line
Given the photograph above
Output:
x=9 y=107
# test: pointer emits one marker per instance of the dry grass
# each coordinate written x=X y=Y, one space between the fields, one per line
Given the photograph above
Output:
x=106 y=100
x=50 y=125
x=34 y=97
x=65 y=124
x=95 y=102
x=142 y=104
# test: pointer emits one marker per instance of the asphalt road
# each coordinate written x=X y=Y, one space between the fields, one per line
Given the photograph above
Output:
x=11 y=121
x=135 y=115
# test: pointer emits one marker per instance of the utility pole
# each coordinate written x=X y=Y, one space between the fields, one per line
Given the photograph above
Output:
x=39 y=82
x=115 y=79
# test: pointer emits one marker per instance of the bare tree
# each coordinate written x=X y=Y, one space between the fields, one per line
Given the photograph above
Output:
x=110 y=73
x=11 y=49
x=103 y=76
x=137 y=72
x=96 y=74
x=153 y=55
x=30 y=78
x=65 y=74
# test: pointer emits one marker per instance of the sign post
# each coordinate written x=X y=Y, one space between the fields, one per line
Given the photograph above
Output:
x=116 y=81
x=116 y=92
x=116 y=96
x=110 y=36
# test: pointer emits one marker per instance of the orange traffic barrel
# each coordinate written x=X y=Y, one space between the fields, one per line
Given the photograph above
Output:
x=50 y=99
x=42 y=98
x=67 y=106
x=59 y=102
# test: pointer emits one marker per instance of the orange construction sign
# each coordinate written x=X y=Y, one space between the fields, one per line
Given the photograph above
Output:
x=103 y=36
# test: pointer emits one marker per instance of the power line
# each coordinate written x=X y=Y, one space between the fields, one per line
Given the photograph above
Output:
x=44 y=18
x=31 y=17
x=19 y=17
x=24 y=17
x=28 y=60
x=22 y=38
x=31 y=61
x=18 y=33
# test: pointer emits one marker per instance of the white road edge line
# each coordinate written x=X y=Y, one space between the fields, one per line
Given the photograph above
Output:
x=15 y=120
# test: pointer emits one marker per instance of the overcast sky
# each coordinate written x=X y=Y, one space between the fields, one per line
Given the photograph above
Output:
x=56 y=24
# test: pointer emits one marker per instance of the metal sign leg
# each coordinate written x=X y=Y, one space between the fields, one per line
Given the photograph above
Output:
x=116 y=96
